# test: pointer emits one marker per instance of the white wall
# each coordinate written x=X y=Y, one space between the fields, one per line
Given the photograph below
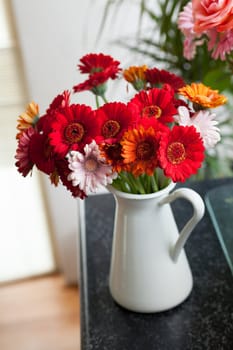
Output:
x=53 y=35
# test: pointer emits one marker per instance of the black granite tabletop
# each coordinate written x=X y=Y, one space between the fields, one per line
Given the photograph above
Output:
x=203 y=321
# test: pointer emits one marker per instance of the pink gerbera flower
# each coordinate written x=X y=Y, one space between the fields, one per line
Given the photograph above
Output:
x=24 y=162
x=185 y=19
x=220 y=44
x=89 y=171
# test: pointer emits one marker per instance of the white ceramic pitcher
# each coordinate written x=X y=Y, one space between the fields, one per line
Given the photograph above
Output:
x=149 y=269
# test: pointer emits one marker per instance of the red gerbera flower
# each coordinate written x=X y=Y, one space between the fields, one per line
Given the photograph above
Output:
x=95 y=83
x=72 y=128
x=157 y=77
x=60 y=101
x=93 y=63
x=155 y=124
x=100 y=68
x=181 y=152
x=157 y=103
x=116 y=118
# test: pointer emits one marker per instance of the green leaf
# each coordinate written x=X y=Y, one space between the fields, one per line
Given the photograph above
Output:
x=217 y=79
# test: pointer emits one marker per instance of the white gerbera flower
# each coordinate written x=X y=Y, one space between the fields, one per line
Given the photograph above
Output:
x=183 y=116
x=204 y=123
x=89 y=171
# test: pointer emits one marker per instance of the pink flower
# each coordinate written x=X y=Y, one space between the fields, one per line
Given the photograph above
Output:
x=89 y=170
x=204 y=123
x=220 y=43
x=185 y=20
x=186 y=25
x=210 y=14
x=190 y=46
x=24 y=162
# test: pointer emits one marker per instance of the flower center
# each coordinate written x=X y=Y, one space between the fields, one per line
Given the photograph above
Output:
x=74 y=132
x=114 y=152
x=176 y=153
x=110 y=128
x=151 y=111
x=96 y=70
x=91 y=165
x=145 y=150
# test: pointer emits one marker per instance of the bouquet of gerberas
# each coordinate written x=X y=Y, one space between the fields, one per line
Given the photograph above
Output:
x=163 y=129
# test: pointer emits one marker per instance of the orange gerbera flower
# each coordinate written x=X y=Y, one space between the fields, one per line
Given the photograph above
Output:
x=136 y=76
x=28 y=118
x=202 y=95
x=139 y=150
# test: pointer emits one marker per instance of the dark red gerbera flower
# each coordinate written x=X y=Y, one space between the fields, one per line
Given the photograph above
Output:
x=44 y=123
x=34 y=149
x=116 y=118
x=156 y=77
x=63 y=171
x=178 y=102
x=155 y=103
x=41 y=153
x=72 y=128
x=112 y=155
x=181 y=152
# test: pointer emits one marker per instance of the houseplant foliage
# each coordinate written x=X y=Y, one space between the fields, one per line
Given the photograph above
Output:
x=160 y=135
x=163 y=44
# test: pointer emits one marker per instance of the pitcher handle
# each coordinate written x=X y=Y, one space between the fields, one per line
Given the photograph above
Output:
x=198 y=211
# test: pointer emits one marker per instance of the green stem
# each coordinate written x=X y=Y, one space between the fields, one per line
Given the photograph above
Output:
x=154 y=184
x=119 y=184
x=97 y=101
x=139 y=185
x=130 y=179
x=147 y=183
x=104 y=98
x=124 y=187
x=157 y=180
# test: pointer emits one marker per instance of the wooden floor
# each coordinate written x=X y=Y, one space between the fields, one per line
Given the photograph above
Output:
x=39 y=314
